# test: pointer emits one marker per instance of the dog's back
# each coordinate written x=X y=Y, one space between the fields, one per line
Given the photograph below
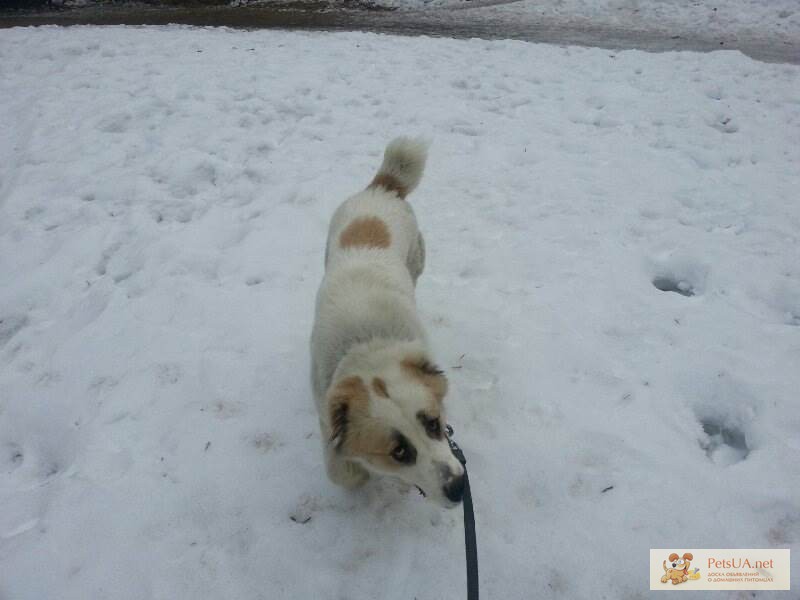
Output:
x=377 y=222
x=373 y=257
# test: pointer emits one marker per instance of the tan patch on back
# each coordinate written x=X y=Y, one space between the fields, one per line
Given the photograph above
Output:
x=390 y=183
x=428 y=375
x=367 y=232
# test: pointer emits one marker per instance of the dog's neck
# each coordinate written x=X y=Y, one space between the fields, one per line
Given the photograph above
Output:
x=370 y=355
x=366 y=336
x=374 y=354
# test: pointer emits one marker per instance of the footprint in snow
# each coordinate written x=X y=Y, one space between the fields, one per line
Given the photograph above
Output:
x=726 y=444
x=264 y=442
x=10 y=326
x=11 y=458
x=784 y=300
x=115 y=123
x=670 y=284
x=168 y=373
x=725 y=124
x=679 y=272
x=225 y=409
x=727 y=411
x=304 y=509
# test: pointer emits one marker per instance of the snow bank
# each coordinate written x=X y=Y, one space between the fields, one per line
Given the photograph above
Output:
x=770 y=20
x=613 y=285
x=774 y=21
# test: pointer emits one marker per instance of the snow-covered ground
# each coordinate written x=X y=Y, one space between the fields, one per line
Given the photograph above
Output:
x=613 y=284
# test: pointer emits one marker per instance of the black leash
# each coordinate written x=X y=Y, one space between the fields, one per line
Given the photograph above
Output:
x=470 y=542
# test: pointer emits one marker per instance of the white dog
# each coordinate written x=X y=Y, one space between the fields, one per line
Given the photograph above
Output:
x=378 y=393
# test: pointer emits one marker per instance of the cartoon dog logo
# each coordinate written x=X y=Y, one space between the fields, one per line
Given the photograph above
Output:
x=676 y=569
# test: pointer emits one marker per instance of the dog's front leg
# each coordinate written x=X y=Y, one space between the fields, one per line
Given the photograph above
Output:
x=344 y=472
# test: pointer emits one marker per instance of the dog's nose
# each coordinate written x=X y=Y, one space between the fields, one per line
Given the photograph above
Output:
x=454 y=490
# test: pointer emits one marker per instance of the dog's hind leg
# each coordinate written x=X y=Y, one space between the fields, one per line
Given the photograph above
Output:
x=416 y=258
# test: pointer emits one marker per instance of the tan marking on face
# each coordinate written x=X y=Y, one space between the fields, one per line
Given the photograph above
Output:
x=390 y=183
x=355 y=433
x=373 y=443
x=368 y=232
x=352 y=391
x=435 y=382
x=379 y=385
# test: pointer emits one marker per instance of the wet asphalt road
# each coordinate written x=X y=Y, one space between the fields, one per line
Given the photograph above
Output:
x=475 y=21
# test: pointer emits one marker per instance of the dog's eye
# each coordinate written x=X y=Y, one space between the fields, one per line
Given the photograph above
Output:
x=430 y=369
x=433 y=427
x=403 y=450
x=400 y=453
x=680 y=562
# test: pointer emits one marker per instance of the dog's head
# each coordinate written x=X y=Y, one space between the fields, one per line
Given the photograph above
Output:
x=681 y=563
x=389 y=417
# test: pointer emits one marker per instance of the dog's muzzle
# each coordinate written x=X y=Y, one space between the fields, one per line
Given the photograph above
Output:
x=454 y=489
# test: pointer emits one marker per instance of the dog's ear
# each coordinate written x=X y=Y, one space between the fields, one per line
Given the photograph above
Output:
x=428 y=374
x=338 y=424
x=379 y=386
x=673 y=557
x=688 y=556
x=346 y=397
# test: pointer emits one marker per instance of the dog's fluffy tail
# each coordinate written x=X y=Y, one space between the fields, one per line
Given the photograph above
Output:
x=403 y=164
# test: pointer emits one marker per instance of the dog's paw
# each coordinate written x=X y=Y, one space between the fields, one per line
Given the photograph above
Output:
x=348 y=474
x=356 y=475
